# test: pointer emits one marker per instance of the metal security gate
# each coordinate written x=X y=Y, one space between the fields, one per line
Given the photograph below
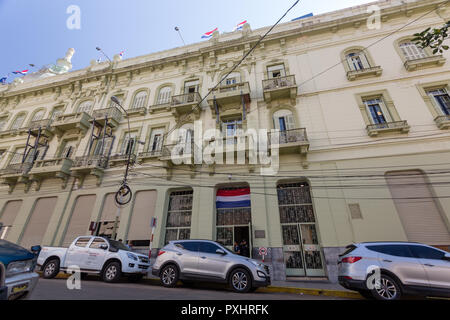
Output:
x=301 y=249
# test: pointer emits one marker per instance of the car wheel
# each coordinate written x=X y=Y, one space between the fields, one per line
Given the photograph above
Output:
x=240 y=281
x=366 y=294
x=135 y=277
x=388 y=289
x=112 y=272
x=51 y=269
x=169 y=276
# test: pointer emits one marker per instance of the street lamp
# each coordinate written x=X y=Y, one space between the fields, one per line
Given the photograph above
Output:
x=99 y=49
x=124 y=189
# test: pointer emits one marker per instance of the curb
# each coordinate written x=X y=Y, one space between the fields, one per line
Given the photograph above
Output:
x=269 y=289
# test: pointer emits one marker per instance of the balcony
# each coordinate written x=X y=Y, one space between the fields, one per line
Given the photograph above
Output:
x=364 y=73
x=280 y=88
x=161 y=107
x=94 y=165
x=398 y=126
x=56 y=167
x=443 y=122
x=136 y=112
x=44 y=125
x=230 y=95
x=432 y=61
x=184 y=103
x=178 y=153
x=15 y=172
x=290 y=141
x=113 y=114
x=71 y=121
x=122 y=159
x=13 y=132
x=149 y=155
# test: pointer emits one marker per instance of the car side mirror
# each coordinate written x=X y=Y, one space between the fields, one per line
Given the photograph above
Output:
x=103 y=246
x=36 y=250
x=446 y=257
x=220 y=251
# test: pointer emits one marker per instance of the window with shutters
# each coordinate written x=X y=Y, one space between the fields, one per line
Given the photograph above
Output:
x=86 y=106
x=178 y=223
x=377 y=111
x=128 y=144
x=68 y=149
x=191 y=86
x=104 y=146
x=156 y=140
x=164 y=95
x=283 y=120
x=39 y=115
x=18 y=121
x=232 y=129
x=276 y=71
x=17 y=156
x=441 y=100
x=411 y=51
x=357 y=61
x=139 y=100
x=57 y=111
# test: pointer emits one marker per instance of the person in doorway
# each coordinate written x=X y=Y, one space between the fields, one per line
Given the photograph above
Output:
x=244 y=248
x=237 y=248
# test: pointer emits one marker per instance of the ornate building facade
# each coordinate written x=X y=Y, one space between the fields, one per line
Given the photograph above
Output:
x=360 y=116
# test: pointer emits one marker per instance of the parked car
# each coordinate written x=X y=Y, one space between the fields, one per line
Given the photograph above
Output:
x=95 y=255
x=405 y=268
x=204 y=260
x=17 y=276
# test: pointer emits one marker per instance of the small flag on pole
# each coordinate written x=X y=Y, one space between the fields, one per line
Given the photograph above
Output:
x=121 y=53
x=240 y=26
x=209 y=34
x=23 y=72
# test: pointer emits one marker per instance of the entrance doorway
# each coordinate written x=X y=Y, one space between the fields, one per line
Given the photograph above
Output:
x=301 y=249
x=228 y=235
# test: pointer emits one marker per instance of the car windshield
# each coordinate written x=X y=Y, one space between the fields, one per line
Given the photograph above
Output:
x=118 y=245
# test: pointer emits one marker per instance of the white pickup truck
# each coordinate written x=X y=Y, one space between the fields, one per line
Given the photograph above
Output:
x=97 y=255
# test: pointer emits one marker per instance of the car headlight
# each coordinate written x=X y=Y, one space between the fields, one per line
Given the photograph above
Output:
x=17 y=267
x=256 y=263
x=132 y=256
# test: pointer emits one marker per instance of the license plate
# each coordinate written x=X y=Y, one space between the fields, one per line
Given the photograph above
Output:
x=19 y=288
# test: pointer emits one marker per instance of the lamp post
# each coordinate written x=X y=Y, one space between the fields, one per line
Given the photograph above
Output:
x=120 y=194
x=99 y=49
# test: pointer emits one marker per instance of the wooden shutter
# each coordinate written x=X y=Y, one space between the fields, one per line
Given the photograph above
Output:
x=290 y=124
x=38 y=223
x=420 y=216
x=143 y=212
x=9 y=214
x=80 y=218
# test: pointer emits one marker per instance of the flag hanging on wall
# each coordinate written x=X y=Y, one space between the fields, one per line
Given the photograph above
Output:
x=240 y=26
x=209 y=34
x=237 y=198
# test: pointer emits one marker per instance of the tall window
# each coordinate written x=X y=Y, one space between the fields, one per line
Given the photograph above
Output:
x=57 y=112
x=18 y=121
x=276 y=71
x=191 y=86
x=85 y=106
x=357 y=61
x=18 y=156
x=441 y=99
x=38 y=115
x=231 y=128
x=283 y=120
x=411 y=51
x=128 y=145
x=156 y=140
x=178 y=225
x=164 y=95
x=139 y=100
x=377 y=110
x=68 y=149
x=233 y=78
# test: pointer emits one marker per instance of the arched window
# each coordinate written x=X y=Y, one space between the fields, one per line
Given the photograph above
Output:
x=85 y=106
x=139 y=100
x=164 y=95
x=18 y=121
x=411 y=51
x=283 y=120
x=357 y=60
x=38 y=115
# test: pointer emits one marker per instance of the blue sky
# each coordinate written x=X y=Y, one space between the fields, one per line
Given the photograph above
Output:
x=35 y=31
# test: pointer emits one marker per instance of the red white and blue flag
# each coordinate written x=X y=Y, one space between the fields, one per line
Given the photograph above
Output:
x=209 y=34
x=23 y=72
x=240 y=26
x=121 y=53
x=237 y=198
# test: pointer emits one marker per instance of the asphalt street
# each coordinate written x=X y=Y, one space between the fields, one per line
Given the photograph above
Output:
x=94 y=289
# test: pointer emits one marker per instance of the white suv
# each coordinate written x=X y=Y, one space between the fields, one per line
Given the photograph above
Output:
x=204 y=260
x=403 y=268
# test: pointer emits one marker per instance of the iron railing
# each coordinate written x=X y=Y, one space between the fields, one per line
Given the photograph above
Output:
x=289 y=136
x=98 y=161
x=110 y=113
x=34 y=125
x=123 y=157
x=17 y=168
x=238 y=87
x=53 y=162
x=279 y=82
x=69 y=118
x=187 y=98
x=387 y=125
x=153 y=153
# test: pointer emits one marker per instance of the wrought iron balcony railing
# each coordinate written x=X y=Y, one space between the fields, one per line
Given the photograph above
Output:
x=97 y=161
x=288 y=136
x=187 y=98
x=110 y=113
x=17 y=169
x=401 y=126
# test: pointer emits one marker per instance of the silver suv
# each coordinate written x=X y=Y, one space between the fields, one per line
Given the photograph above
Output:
x=388 y=270
x=204 y=260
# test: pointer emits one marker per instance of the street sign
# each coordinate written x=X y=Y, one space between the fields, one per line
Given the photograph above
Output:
x=263 y=252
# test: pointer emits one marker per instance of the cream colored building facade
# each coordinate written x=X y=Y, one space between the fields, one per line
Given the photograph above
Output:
x=364 y=145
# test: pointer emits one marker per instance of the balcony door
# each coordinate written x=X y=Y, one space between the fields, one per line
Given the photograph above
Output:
x=379 y=115
x=276 y=71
